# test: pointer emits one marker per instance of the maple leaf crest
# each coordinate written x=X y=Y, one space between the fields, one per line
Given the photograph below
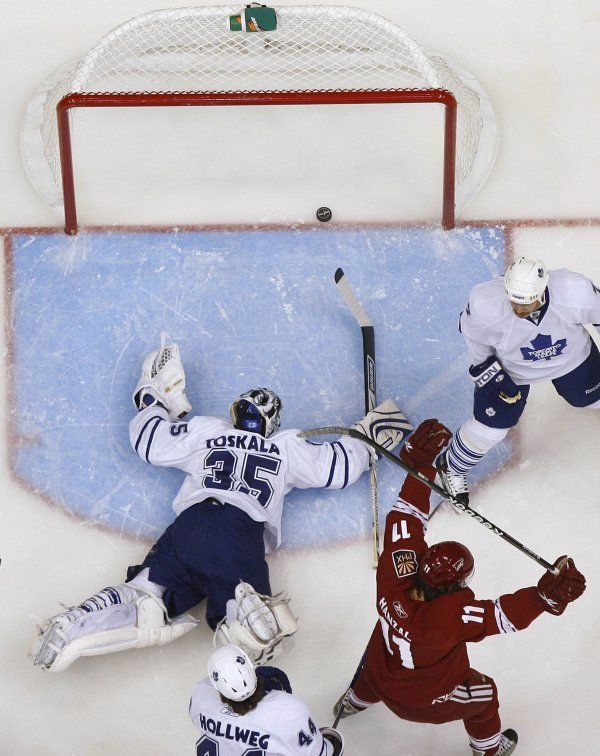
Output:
x=543 y=348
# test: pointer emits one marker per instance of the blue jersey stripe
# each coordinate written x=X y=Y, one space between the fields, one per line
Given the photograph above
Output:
x=333 y=464
x=146 y=424
x=152 y=432
x=346 y=463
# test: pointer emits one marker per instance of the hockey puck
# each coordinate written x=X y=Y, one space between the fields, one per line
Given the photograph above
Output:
x=324 y=214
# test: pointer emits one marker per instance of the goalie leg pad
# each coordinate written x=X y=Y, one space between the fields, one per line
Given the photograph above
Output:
x=136 y=624
x=262 y=625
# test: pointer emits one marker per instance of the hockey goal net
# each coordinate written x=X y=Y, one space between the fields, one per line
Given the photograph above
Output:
x=316 y=55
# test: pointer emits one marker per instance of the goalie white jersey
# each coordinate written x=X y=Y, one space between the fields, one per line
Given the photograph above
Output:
x=242 y=468
x=533 y=349
x=280 y=724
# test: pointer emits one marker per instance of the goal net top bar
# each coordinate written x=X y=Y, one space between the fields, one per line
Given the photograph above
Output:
x=314 y=48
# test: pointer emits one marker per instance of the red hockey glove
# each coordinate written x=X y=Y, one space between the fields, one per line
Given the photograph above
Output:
x=556 y=591
x=425 y=443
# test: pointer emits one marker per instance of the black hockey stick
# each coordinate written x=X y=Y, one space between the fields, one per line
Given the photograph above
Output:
x=370 y=383
x=340 y=711
x=463 y=508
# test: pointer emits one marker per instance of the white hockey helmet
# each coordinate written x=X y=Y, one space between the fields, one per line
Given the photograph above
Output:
x=232 y=673
x=525 y=281
x=258 y=410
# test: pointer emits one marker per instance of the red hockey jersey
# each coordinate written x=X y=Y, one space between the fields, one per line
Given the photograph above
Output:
x=417 y=653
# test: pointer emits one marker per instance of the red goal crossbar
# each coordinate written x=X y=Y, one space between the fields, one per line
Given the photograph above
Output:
x=324 y=97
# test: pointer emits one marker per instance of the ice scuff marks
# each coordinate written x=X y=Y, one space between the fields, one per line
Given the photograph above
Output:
x=247 y=308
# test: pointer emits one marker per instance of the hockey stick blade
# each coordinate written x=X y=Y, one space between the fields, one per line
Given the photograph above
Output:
x=350 y=299
x=462 y=508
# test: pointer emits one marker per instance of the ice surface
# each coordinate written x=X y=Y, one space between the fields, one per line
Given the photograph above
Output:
x=538 y=61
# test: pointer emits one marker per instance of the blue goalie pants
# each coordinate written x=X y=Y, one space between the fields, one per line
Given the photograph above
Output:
x=203 y=555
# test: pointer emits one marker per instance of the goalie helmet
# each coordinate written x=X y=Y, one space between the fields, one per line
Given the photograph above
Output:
x=232 y=673
x=258 y=411
x=526 y=280
x=446 y=566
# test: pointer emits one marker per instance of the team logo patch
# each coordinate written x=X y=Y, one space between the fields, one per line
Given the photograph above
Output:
x=400 y=610
x=543 y=348
x=405 y=562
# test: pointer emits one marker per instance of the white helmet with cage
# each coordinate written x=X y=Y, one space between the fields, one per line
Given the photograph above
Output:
x=258 y=410
x=525 y=281
x=232 y=673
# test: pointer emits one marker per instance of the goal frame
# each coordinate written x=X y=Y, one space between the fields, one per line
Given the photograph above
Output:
x=215 y=99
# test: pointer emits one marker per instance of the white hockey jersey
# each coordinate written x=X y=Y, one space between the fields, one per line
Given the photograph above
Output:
x=280 y=725
x=533 y=349
x=242 y=468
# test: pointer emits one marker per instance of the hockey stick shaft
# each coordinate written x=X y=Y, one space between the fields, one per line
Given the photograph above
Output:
x=463 y=508
x=370 y=385
x=338 y=716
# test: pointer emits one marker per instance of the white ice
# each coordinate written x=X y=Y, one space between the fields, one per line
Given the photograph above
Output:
x=539 y=62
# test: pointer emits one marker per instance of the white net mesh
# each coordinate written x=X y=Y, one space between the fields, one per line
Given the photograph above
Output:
x=313 y=48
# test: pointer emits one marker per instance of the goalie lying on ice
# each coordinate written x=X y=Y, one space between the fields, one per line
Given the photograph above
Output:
x=228 y=514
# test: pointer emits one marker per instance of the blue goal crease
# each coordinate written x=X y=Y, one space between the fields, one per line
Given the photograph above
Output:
x=247 y=308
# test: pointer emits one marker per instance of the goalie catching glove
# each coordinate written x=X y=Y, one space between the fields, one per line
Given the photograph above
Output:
x=163 y=382
x=386 y=425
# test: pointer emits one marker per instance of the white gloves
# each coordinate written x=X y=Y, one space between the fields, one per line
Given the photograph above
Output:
x=163 y=381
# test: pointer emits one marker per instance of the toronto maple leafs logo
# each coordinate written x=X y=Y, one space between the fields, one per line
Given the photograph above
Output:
x=543 y=348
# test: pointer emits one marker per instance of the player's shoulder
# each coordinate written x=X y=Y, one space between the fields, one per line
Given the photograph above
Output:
x=288 y=705
x=451 y=606
x=208 y=424
x=290 y=437
x=204 y=693
x=287 y=433
x=568 y=287
x=487 y=301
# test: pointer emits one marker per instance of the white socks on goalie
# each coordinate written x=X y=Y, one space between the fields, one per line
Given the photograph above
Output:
x=470 y=443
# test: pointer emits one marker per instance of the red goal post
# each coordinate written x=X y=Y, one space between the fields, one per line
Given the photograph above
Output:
x=319 y=55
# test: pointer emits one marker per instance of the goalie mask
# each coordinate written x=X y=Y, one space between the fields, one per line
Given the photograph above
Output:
x=232 y=673
x=446 y=567
x=257 y=411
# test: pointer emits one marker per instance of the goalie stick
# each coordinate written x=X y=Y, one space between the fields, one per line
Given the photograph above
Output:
x=370 y=382
x=459 y=506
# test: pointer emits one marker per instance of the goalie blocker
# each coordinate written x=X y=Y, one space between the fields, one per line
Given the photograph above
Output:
x=386 y=425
